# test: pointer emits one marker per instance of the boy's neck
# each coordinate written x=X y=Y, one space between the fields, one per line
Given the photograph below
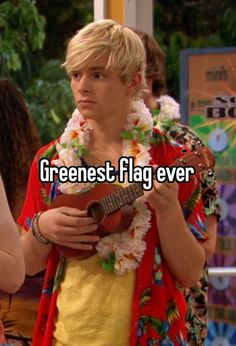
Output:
x=107 y=130
x=103 y=136
x=150 y=102
x=104 y=146
x=105 y=139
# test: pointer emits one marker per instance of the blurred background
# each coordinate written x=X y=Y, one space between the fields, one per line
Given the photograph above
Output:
x=199 y=41
x=33 y=35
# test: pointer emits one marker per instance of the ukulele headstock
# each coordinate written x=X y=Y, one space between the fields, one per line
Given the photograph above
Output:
x=201 y=159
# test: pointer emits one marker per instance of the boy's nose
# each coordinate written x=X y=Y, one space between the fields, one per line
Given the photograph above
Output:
x=83 y=83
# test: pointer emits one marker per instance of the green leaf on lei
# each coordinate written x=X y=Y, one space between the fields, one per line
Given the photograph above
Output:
x=75 y=143
x=49 y=152
x=148 y=132
x=141 y=137
x=109 y=262
x=82 y=150
x=154 y=140
x=164 y=124
x=155 y=112
x=126 y=135
x=158 y=138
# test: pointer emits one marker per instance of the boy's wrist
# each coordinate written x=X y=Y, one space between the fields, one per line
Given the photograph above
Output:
x=38 y=235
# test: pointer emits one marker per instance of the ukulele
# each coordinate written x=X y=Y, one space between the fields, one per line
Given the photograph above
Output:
x=110 y=205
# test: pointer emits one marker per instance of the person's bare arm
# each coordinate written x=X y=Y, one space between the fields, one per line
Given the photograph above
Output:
x=12 y=267
x=210 y=244
x=35 y=253
x=64 y=226
x=184 y=255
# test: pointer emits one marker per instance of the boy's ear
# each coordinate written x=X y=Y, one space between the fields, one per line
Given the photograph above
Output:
x=134 y=83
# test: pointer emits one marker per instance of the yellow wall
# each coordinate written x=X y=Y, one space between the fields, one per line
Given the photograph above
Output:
x=115 y=10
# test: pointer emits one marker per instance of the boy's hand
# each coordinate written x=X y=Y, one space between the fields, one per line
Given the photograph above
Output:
x=163 y=196
x=68 y=227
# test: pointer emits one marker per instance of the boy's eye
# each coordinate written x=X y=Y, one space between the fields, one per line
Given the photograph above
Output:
x=76 y=75
x=98 y=75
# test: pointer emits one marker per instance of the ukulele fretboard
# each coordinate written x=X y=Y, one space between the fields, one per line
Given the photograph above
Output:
x=121 y=197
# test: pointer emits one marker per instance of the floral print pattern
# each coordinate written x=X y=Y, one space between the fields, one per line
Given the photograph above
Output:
x=196 y=297
x=158 y=316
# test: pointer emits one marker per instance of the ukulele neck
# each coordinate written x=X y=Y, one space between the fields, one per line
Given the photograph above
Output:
x=121 y=197
x=201 y=159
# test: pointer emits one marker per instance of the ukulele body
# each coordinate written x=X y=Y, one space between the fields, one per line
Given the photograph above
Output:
x=120 y=220
x=117 y=221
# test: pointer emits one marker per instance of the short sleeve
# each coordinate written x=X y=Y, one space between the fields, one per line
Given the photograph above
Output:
x=210 y=194
x=37 y=195
x=186 y=136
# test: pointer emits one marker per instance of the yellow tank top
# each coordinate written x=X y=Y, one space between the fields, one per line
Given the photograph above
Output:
x=94 y=306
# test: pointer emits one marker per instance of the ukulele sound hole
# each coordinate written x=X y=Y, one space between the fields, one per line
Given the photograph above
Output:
x=95 y=211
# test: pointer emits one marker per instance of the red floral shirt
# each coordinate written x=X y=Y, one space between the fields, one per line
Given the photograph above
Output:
x=158 y=311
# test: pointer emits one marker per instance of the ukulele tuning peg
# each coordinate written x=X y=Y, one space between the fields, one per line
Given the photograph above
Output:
x=210 y=173
x=201 y=165
x=183 y=161
x=197 y=143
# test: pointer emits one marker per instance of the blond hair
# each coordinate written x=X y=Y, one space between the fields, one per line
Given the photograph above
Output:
x=122 y=47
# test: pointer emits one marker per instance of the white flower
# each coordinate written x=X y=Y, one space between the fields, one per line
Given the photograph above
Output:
x=140 y=116
x=69 y=157
x=75 y=120
x=169 y=108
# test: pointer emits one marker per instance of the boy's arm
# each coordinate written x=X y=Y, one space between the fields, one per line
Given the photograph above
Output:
x=35 y=253
x=183 y=253
x=64 y=226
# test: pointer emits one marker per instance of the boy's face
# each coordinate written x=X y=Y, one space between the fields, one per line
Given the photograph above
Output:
x=98 y=92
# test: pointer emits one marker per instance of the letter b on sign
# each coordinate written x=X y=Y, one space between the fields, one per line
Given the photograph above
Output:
x=215 y=112
x=221 y=112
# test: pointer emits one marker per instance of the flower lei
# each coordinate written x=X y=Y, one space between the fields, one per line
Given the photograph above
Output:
x=119 y=252
x=166 y=113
